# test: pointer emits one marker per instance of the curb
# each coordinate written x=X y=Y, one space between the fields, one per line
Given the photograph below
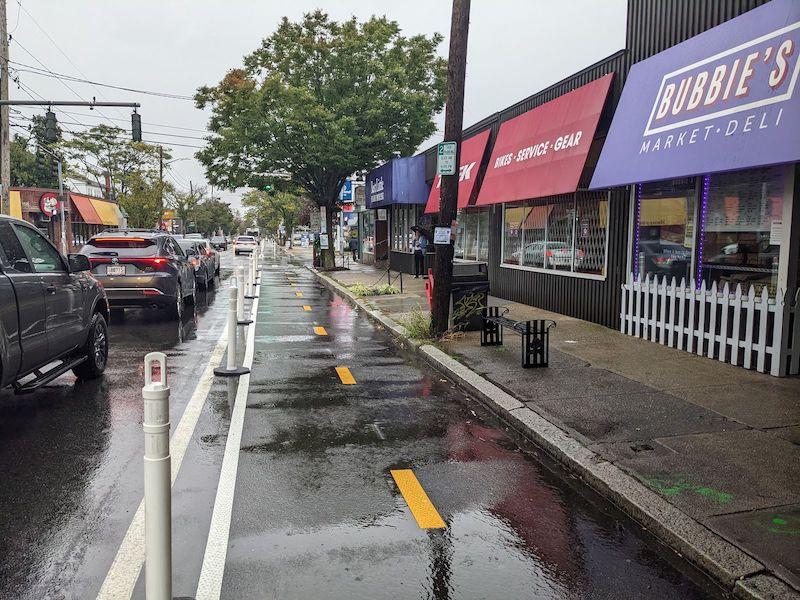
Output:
x=732 y=568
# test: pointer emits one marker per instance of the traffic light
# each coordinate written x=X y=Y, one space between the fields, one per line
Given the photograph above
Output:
x=50 y=127
x=54 y=168
x=136 y=127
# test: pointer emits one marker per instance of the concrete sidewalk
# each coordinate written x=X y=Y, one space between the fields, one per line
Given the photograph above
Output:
x=718 y=443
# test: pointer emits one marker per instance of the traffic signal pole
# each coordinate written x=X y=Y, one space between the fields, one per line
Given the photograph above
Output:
x=453 y=124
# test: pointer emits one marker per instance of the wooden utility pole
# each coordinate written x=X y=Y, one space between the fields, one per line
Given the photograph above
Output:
x=161 y=183
x=453 y=124
x=5 y=139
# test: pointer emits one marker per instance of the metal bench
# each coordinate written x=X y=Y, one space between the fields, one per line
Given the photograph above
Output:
x=534 y=335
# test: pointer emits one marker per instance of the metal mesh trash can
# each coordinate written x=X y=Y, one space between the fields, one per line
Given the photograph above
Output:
x=469 y=296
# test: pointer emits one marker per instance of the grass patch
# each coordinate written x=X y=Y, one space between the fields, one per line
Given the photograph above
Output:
x=419 y=326
x=361 y=290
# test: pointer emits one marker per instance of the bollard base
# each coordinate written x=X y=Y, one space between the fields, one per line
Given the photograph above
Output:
x=244 y=322
x=225 y=372
x=251 y=297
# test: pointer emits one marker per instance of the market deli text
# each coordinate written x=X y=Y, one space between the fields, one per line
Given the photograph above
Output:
x=745 y=86
x=563 y=142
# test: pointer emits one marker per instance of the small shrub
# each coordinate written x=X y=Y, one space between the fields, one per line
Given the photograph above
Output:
x=359 y=289
x=419 y=325
x=386 y=290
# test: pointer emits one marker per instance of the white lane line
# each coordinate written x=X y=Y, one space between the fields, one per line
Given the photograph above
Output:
x=209 y=587
x=124 y=571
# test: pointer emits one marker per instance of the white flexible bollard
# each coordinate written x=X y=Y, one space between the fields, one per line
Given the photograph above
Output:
x=230 y=368
x=256 y=273
x=239 y=283
x=250 y=291
x=157 y=480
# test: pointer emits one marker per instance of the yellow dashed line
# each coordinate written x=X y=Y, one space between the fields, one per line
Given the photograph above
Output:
x=345 y=376
x=299 y=294
x=418 y=502
x=320 y=331
x=306 y=308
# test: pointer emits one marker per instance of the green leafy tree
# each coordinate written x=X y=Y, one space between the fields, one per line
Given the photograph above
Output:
x=185 y=205
x=142 y=200
x=104 y=150
x=320 y=100
x=24 y=171
x=271 y=209
x=213 y=215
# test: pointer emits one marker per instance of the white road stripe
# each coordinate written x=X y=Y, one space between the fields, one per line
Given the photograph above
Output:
x=124 y=571
x=209 y=587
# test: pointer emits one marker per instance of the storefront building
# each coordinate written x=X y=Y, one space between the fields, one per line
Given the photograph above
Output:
x=83 y=217
x=396 y=195
x=707 y=137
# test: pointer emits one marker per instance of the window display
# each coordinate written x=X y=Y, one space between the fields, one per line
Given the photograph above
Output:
x=742 y=228
x=404 y=217
x=566 y=234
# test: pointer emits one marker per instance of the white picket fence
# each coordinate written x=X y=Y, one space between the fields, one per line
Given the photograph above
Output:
x=746 y=329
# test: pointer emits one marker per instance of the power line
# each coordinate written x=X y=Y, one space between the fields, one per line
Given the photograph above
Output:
x=158 y=133
x=61 y=76
x=49 y=37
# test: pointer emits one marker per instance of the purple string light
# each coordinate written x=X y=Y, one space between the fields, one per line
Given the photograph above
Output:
x=702 y=233
x=636 y=230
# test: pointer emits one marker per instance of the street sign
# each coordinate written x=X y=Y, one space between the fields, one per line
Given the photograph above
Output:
x=446 y=158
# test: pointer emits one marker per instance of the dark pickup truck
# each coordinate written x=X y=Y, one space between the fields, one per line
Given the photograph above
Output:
x=53 y=313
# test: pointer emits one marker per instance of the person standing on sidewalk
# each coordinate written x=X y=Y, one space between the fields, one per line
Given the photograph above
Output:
x=420 y=247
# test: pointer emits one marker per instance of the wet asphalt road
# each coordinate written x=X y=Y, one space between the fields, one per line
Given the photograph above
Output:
x=316 y=513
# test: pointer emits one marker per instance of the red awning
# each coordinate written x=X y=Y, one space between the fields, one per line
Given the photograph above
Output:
x=472 y=151
x=543 y=151
x=86 y=210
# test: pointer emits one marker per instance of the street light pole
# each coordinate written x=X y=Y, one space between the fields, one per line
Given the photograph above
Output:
x=61 y=208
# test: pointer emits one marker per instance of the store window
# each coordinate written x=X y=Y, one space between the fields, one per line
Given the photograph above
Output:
x=567 y=234
x=743 y=227
x=404 y=217
x=664 y=236
x=472 y=241
x=367 y=225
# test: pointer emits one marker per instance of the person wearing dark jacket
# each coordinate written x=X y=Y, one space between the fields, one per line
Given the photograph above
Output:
x=420 y=247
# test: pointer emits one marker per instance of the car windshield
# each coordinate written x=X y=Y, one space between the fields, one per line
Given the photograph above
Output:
x=186 y=244
x=245 y=238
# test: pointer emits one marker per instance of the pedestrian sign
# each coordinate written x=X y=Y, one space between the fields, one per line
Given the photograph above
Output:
x=446 y=158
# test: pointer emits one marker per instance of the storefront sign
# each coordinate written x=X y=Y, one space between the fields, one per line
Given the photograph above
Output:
x=48 y=204
x=543 y=151
x=472 y=151
x=346 y=193
x=323 y=220
x=446 y=158
x=399 y=181
x=723 y=100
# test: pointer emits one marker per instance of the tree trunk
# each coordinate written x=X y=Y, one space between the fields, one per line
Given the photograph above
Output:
x=329 y=255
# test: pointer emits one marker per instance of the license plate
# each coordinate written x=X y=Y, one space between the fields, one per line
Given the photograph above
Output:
x=115 y=270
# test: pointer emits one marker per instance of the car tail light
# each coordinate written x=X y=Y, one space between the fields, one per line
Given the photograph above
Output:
x=206 y=251
x=195 y=262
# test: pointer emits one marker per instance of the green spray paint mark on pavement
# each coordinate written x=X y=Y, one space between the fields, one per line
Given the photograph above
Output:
x=674 y=487
x=780 y=524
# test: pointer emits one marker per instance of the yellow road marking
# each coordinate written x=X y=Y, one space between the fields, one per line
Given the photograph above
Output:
x=299 y=294
x=306 y=308
x=418 y=502
x=345 y=376
x=320 y=331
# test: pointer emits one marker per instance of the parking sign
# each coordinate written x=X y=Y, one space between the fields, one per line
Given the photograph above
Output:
x=446 y=158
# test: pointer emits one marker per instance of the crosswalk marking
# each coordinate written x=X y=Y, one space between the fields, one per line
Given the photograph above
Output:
x=418 y=502
x=345 y=375
x=320 y=331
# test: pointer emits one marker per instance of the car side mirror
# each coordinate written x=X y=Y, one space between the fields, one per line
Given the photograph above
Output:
x=78 y=263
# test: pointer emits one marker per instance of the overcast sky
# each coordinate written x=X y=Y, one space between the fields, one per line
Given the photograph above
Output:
x=515 y=49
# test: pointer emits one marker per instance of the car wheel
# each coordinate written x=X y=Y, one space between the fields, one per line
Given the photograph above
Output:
x=176 y=310
x=95 y=350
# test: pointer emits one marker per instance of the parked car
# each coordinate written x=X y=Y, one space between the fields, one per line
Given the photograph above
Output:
x=51 y=311
x=142 y=268
x=208 y=249
x=202 y=263
x=220 y=242
x=244 y=243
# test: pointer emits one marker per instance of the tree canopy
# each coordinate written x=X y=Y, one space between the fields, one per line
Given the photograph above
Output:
x=32 y=162
x=320 y=100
